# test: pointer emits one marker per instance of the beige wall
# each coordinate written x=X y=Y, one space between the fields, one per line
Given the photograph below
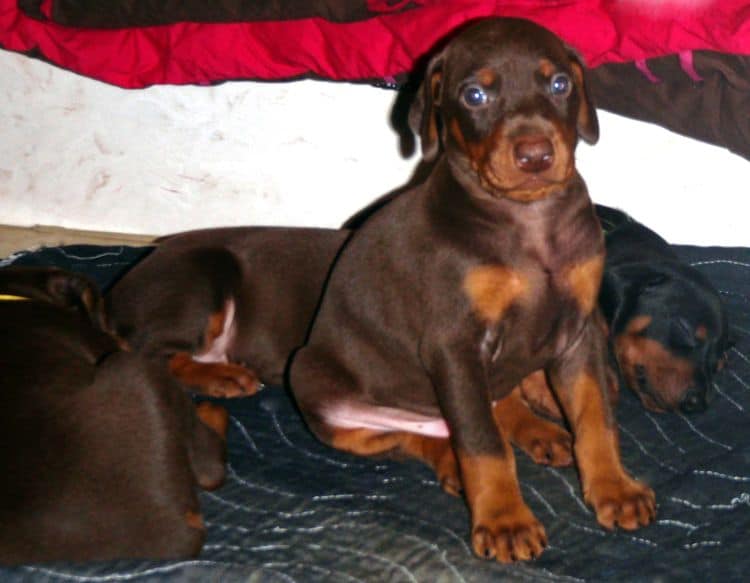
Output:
x=80 y=154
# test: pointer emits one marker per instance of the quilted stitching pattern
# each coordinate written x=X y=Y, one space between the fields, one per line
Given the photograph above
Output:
x=294 y=510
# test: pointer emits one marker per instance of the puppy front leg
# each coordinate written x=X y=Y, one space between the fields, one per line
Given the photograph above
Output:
x=579 y=380
x=503 y=526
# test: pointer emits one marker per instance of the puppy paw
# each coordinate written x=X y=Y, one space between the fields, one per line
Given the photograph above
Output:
x=546 y=443
x=215 y=379
x=448 y=475
x=231 y=380
x=510 y=536
x=622 y=502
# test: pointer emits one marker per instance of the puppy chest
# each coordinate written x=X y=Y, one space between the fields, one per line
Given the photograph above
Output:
x=524 y=311
x=493 y=289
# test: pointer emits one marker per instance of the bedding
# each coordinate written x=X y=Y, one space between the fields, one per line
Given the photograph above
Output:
x=294 y=510
x=682 y=65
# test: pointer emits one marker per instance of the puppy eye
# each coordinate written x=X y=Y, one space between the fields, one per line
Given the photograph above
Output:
x=560 y=85
x=474 y=96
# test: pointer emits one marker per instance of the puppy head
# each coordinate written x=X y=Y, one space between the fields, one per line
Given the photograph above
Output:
x=672 y=341
x=506 y=101
x=58 y=287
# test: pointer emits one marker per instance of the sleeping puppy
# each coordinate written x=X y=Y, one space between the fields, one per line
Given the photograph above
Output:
x=667 y=324
x=102 y=451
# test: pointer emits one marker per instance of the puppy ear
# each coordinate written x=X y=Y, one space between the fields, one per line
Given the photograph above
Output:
x=73 y=290
x=423 y=112
x=588 y=124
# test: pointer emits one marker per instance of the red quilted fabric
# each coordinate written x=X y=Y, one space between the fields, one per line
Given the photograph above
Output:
x=381 y=47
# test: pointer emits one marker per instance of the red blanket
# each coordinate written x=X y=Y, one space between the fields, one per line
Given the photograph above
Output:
x=379 y=39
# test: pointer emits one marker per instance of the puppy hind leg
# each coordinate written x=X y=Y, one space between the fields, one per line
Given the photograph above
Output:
x=436 y=452
x=208 y=445
x=544 y=441
x=197 y=329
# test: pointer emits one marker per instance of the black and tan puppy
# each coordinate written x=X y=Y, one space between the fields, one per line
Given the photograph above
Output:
x=667 y=322
x=102 y=451
x=441 y=302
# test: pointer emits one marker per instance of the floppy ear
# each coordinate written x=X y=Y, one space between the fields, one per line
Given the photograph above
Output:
x=588 y=124
x=422 y=114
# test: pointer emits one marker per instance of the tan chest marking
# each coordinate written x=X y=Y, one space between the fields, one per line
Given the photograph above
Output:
x=583 y=280
x=492 y=289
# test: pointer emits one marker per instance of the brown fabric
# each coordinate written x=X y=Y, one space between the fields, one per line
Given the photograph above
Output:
x=129 y=13
x=715 y=110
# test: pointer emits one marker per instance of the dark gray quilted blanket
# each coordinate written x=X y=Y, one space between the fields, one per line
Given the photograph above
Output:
x=294 y=510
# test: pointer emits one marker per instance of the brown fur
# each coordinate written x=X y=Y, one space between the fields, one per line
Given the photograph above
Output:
x=439 y=304
x=481 y=275
x=123 y=450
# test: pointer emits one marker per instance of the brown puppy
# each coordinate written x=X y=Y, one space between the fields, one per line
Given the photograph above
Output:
x=447 y=297
x=205 y=302
x=102 y=451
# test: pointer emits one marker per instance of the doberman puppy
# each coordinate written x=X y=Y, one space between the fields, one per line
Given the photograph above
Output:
x=205 y=302
x=102 y=451
x=668 y=326
x=447 y=297
x=437 y=306
x=669 y=330
x=667 y=322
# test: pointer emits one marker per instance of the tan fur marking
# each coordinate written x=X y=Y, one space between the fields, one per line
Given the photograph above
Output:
x=215 y=379
x=503 y=526
x=544 y=441
x=618 y=499
x=492 y=289
x=455 y=130
x=669 y=377
x=592 y=413
x=194 y=520
x=547 y=68
x=537 y=394
x=584 y=280
x=638 y=324
x=213 y=416
x=486 y=77
x=214 y=328
x=435 y=452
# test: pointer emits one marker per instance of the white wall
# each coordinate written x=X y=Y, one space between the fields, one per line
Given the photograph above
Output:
x=80 y=154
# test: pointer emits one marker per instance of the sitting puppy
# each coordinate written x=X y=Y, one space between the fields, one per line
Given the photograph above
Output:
x=446 y=298
x=668 y=326
x=102 y=451
x=437 y=306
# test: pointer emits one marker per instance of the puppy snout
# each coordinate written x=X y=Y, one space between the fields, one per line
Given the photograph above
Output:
x=695 y=401
x=534 y=154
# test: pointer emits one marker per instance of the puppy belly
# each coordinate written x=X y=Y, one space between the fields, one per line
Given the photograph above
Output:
x=363 y=416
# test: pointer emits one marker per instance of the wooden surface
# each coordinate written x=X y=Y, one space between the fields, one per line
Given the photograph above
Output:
x=14 y=239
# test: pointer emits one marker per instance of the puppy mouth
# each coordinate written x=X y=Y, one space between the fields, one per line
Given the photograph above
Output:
x=527 y=189
x=504 y=176
x=648 y=397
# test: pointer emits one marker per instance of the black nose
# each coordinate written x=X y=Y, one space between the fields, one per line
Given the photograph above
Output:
x=534 y=154
x=695 y=401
